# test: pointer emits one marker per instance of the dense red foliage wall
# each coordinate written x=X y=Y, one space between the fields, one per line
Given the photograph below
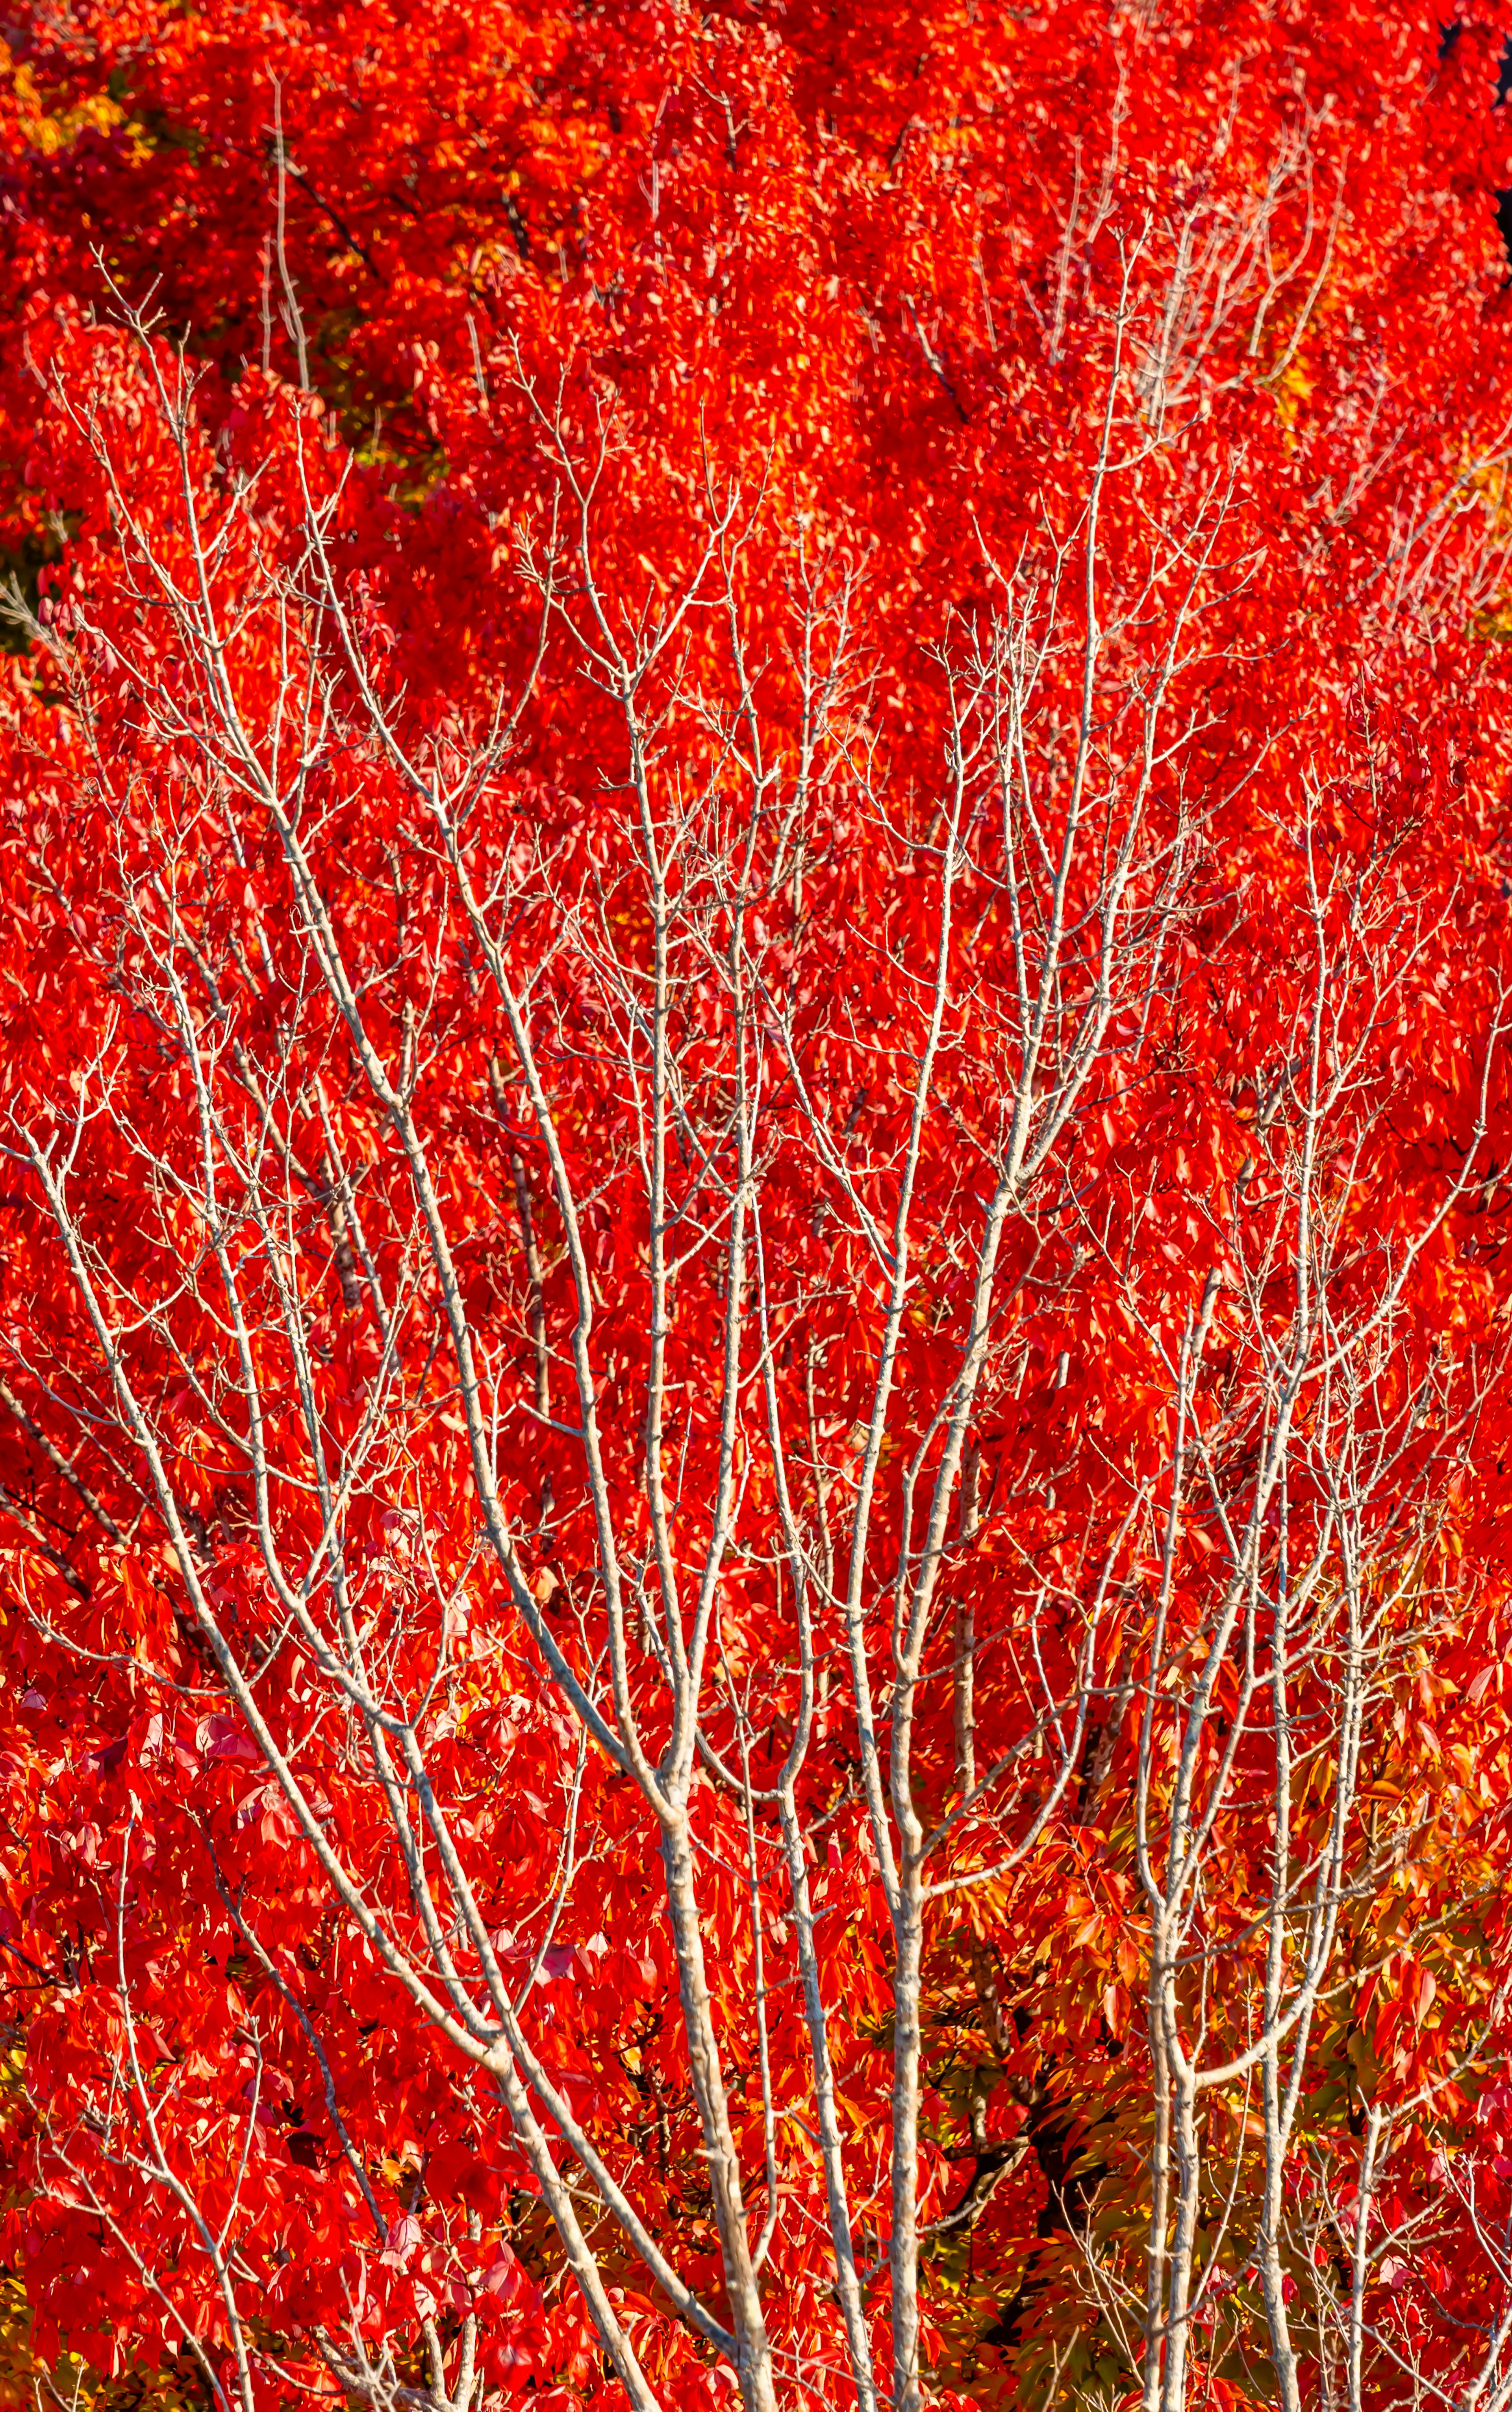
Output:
x=911 y=286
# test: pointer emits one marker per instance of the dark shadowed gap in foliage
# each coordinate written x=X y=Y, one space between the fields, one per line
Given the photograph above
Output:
x=21 y=593
x=1449 y=36
x=1059 y=2138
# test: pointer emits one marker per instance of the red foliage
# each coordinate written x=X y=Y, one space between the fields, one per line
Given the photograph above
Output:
x=490 y=478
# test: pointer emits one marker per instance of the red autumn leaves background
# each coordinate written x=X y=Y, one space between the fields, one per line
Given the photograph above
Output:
x=902 y=363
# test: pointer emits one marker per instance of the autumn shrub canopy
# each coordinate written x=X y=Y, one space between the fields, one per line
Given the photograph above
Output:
x=754 y=1385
